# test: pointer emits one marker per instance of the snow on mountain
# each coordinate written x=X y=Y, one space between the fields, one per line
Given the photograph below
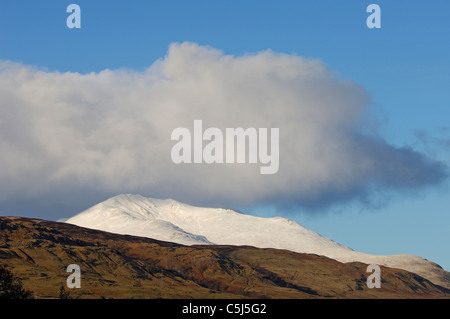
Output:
x=169 y=220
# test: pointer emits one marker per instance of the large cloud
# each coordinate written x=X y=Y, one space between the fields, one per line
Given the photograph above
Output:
x=109 y=132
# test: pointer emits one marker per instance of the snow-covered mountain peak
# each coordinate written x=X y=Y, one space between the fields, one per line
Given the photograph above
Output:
x=170 y=220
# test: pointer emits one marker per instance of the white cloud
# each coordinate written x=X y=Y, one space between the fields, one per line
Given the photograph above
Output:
x=110 y=131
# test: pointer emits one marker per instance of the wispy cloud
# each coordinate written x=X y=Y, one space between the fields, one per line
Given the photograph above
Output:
x=109 y=132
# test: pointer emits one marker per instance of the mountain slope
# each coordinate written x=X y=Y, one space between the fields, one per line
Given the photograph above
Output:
x=123 y=266
x=169 y=220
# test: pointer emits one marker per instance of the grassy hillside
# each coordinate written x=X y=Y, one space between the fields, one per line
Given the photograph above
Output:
x=120 y=266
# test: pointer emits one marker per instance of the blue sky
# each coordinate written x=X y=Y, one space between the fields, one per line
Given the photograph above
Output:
x=404 y=66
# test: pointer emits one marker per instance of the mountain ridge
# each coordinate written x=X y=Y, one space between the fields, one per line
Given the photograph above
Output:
x=126 y=266
x=173 y=221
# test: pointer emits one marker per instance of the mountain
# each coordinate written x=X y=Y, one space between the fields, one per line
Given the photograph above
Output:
x=170 y=220
x=125 y=266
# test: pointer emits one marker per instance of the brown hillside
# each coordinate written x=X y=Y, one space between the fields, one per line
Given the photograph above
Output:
x=120 y=266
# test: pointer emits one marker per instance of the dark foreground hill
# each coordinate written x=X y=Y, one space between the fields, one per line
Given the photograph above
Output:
x=121 y=266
